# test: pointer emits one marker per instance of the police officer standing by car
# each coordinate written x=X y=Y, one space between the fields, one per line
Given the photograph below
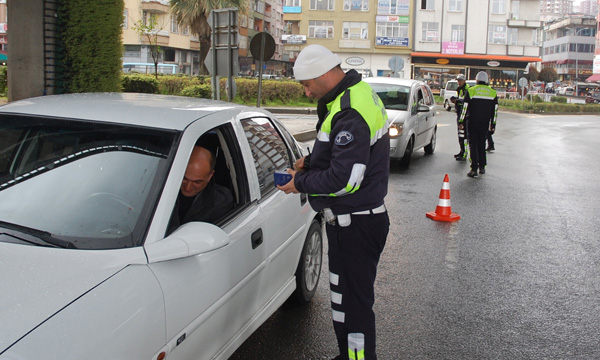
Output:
x=346 y=177
x=480 y=110
x=458 y=105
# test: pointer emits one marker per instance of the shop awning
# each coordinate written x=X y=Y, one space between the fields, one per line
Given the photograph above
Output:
x=3 y=57
x=595 y=77
x=479 y=57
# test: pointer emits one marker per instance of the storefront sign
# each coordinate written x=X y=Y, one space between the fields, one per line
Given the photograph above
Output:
x=355 y=61
x=293 y=39
x=391 y=41
x=493 y=63
x=442 y=61
x=453 y=47
x=292 y=9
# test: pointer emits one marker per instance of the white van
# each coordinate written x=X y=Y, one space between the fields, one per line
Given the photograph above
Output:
x=450 y=91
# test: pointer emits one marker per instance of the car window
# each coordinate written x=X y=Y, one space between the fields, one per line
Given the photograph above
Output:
x=268 y=150
x=427 y=98
x=452 y=85
x=394 y=97
x=87 y=183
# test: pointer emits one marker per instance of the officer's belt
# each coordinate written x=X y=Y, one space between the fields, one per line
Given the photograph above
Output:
x=344 y=219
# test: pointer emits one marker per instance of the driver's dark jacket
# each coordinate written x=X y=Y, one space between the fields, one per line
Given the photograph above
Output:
x=209 y=205
x=349 y=165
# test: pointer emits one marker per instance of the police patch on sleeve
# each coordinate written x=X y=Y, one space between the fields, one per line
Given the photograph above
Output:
x=344 y=138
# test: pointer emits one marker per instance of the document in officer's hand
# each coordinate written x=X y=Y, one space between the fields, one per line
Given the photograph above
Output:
x=282 y=177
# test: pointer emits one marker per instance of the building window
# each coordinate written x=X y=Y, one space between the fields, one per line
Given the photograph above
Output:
x=498 y=6
x=356 y=5
x=185 y=31
x=124 y=25
x=355 y=30
x=393 y=7
x=320 y=29
x=174 y=27
x=497 y=34
x=144 y=18
x=513 y=36
x=430 y=32
x=390 y=29
x=169 y=55
x=455 y=5
x=458 y=33
x=292 y=3
x=427 y=4
x=322 y=5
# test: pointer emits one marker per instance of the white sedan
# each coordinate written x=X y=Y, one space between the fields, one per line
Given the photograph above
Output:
x=90 y=270
x=411 y=108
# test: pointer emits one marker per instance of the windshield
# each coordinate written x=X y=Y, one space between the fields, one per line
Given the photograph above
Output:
x=394 y=97
x=89 y=184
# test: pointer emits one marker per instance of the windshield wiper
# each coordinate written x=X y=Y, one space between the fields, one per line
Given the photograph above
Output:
x=42 y=235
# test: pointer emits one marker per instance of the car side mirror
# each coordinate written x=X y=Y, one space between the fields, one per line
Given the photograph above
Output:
x=188 y=240
x=422 y=108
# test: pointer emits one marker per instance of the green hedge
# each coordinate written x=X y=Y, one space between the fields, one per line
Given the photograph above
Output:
x=282 y=91
x=549 y=107
x=90 y=45
x=3 y=81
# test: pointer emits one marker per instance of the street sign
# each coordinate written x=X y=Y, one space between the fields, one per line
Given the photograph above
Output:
x=396 y=64
x=262 y=43
x=522 y=82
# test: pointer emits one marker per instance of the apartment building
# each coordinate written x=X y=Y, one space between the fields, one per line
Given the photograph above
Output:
x=569 y=46
x=596 y=66
x=499 y=37
x=180 y=48
x=551 y=9
x=372 y=37
x=588 y=7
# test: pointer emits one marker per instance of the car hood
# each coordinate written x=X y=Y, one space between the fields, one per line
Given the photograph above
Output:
x=37 y=282
x=398 y=116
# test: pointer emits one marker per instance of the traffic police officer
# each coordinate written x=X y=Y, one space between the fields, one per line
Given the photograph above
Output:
x=480 y=110
x=346 y=177
x=458 y=105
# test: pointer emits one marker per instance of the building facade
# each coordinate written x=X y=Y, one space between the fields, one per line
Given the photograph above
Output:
x=551 y=9
x=3 y=32
x=588 y=7
x=372 y=37
x=569 y=47
x=455 y=37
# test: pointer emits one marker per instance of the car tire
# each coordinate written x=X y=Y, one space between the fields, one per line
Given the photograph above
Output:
x=430 y=148
x=447 y=105
x=308 y=271
x=405 y=161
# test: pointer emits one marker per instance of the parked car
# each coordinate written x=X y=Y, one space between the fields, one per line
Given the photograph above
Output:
x=450 y=91
x=567 y=90
x=593 y=98
x=411 y=107
x=88 y=183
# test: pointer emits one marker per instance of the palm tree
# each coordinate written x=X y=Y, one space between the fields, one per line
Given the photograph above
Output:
x=194 y=13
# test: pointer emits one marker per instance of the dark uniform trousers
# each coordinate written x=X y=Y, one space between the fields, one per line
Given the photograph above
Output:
x=477 y=134
x=354 y=253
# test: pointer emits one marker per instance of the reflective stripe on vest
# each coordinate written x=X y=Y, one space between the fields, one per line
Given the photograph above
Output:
x=367 y=103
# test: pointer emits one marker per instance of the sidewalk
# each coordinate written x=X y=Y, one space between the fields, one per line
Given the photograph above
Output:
x=302 y=127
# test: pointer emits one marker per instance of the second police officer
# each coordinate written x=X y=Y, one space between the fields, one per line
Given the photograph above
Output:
x=480 y=111
x=458 y=105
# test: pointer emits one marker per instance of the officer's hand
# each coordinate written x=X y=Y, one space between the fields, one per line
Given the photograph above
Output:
x=299 y=164
x=290 y=187
x=461 y=126
x=492 y=131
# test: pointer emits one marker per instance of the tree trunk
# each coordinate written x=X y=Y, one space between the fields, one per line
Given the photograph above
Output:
x=201 y=28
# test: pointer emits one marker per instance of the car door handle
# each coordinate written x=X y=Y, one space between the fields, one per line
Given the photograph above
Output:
x=256 y=238
x=303 y=198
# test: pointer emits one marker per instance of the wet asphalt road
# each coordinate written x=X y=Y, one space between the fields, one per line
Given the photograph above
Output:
x=517 y=277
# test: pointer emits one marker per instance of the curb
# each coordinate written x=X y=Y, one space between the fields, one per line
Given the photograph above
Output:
x=305 y=136
x=292 y=110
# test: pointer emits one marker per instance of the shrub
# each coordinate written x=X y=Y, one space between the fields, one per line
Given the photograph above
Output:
x=174 y=84
x=199 y=91
x=140 y=84
x=559 y=99
x=3 y=81
x=535 y=98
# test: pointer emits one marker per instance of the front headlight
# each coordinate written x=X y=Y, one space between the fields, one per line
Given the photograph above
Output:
x=396 y=130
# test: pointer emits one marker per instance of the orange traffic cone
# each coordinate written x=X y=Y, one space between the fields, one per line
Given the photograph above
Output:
x=443 y=211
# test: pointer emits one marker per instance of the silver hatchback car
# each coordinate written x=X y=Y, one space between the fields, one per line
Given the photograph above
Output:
x=411 y=107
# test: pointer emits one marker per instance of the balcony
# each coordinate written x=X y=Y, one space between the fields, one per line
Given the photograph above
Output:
x=528 y=20
x=156 y=6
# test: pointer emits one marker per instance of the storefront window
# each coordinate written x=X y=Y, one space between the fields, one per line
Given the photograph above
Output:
x=501 y=80
x=436 y=78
